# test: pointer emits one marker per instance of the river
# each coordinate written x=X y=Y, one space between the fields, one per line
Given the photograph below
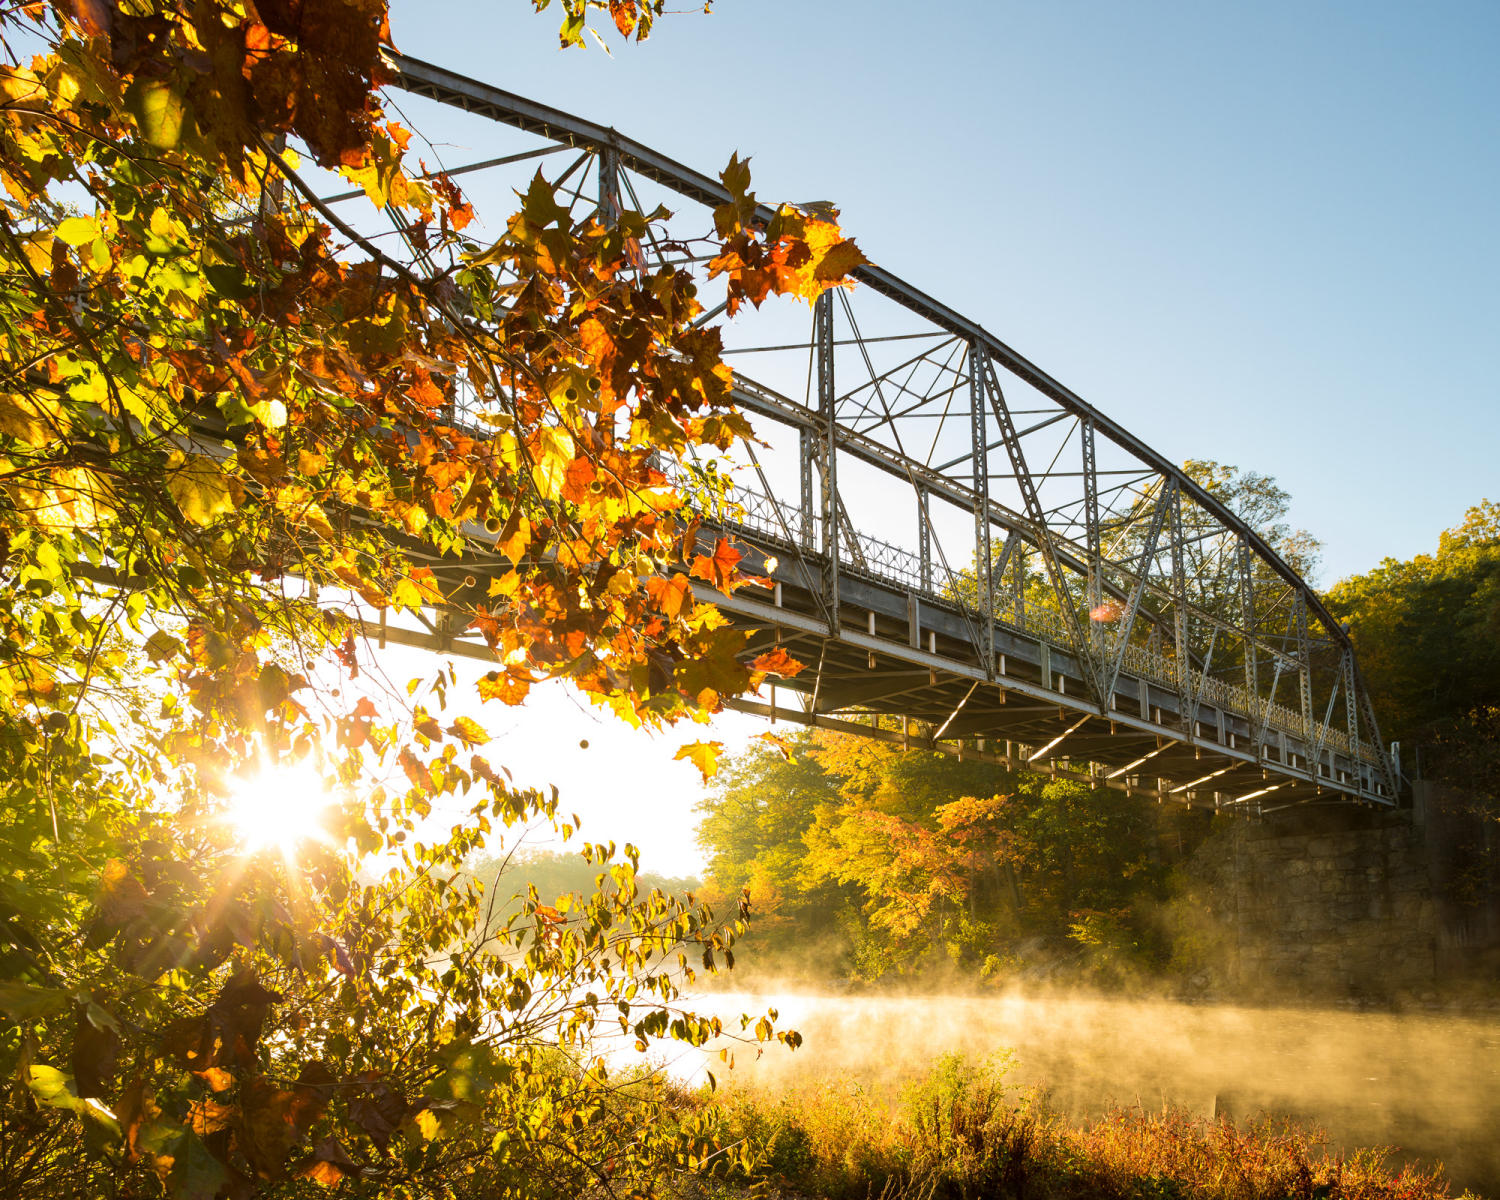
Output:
x=1425 y=1084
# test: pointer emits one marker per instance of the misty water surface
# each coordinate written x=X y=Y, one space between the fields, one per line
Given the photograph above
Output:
x=1427 y=1084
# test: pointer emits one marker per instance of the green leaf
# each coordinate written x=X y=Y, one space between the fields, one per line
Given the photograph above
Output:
x=196 y=1174
x=27 y=1003
x=53 y=1087
x=56 y=1089
x=229 y=281
x=159 y=111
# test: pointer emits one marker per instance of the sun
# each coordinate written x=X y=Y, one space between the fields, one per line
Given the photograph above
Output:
x=279 y=809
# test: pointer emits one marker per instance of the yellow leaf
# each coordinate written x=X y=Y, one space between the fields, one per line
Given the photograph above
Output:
x=78 y=231
x=554 y=452
x=38 y=250
x=309 y=463
x=416 y=589
x=703 y=755
x=18 y=86
x=201 y=489
x=272 y=413
x=470 y=731
x=23 y=418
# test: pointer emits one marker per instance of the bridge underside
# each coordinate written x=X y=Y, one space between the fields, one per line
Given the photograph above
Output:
x=902 y=669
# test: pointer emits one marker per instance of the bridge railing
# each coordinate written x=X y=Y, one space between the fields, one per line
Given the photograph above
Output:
x=783 y=524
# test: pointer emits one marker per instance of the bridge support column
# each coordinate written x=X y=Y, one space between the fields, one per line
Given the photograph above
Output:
x=1185 y=689
x=1252 y=664
x=609 y=186
x=1351 y=705
x=1304 y=675
x=1094 y=585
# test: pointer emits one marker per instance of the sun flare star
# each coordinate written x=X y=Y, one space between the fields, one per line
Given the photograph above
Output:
x=279 y=809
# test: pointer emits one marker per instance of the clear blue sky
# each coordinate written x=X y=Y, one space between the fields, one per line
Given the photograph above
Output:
x=1263 y=234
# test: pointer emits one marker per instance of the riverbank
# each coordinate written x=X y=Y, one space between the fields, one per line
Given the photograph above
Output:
x=963 y=1131
x=1426 y=1084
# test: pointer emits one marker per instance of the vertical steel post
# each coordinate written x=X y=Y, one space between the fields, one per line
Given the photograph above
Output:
x=1252 y=664
x=609 y=186
x=1020 y=596
x=1304 y=676
x=924 y=536
x=1180 y=613
x=1351 y=708
x=983 y=564
x=1092 y=534
x=827 y=451
x=807 y=451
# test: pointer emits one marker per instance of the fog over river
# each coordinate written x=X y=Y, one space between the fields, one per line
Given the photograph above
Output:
x=1426 y=1083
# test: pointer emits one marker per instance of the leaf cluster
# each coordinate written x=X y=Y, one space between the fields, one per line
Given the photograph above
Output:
x=236 y=431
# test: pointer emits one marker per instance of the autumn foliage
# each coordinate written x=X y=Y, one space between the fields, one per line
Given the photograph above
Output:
x=234 y=433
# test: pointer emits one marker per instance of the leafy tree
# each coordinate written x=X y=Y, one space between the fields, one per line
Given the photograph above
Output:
x=225 y=435
x=753 y=820
x=1262 y=504
x=1428 y=636
x=911 y=859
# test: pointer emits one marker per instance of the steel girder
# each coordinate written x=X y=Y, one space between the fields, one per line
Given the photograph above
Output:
x=1129 y=618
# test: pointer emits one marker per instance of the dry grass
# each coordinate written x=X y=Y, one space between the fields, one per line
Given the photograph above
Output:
x=961 y=1134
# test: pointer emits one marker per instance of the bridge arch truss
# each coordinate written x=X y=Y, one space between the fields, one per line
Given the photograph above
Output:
x=1040 y=587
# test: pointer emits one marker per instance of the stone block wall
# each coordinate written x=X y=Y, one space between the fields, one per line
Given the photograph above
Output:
x=1320 y=907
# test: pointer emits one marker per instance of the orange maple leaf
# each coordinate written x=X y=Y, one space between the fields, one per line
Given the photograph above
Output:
x=719 y=569
x=624 y=14
x=670 y=595
x=777 y=662
x=506 y=687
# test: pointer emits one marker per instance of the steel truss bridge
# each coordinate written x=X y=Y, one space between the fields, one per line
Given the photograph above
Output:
x=1046 y=590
